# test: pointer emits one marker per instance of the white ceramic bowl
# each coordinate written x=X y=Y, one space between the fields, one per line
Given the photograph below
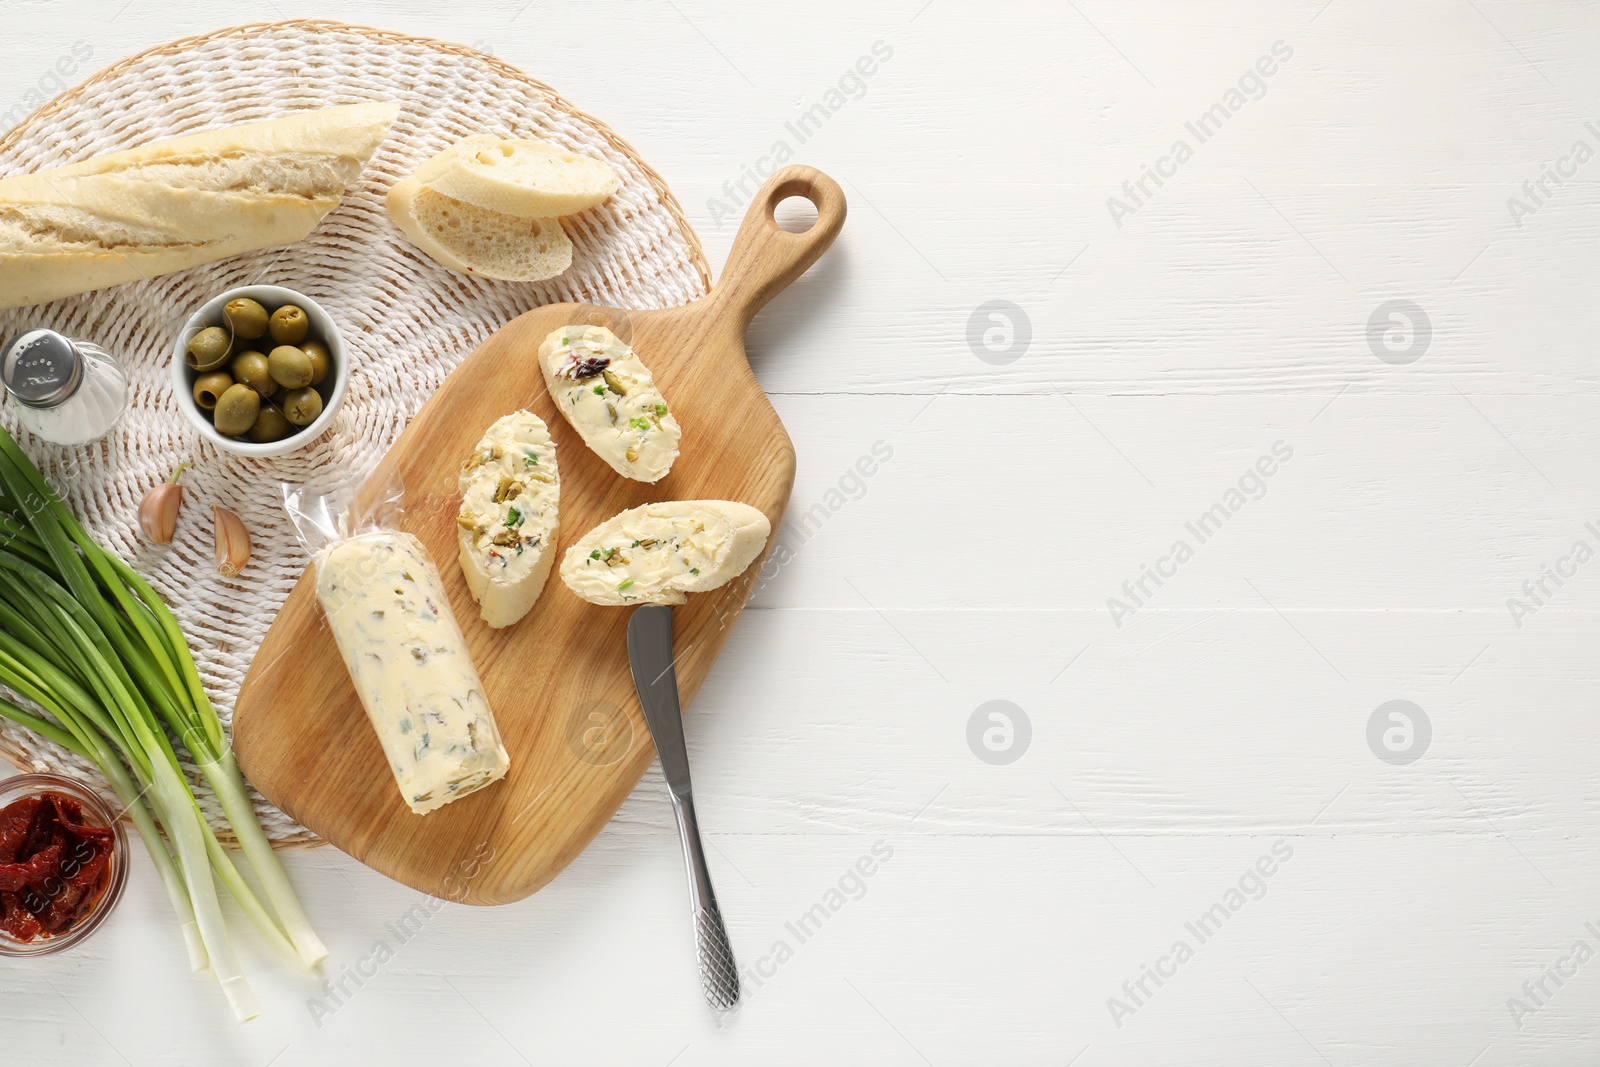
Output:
x=332 y=388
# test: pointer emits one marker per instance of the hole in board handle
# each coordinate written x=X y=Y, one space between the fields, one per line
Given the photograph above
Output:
x=794 y=213
x=794 y=218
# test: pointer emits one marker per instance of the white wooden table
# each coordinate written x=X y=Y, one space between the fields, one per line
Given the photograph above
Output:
x=1210 y=788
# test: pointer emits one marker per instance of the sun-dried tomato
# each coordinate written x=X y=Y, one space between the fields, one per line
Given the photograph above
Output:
x=17 y=920
x=16 y=820
x=68 y=811
x=80 y=876
x=575 y=369
x=53 y=866
x=43 y=865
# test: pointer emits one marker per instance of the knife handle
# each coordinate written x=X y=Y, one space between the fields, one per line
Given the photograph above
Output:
x=719 y=975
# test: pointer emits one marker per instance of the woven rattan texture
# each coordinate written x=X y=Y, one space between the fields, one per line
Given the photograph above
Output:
x=406 y=321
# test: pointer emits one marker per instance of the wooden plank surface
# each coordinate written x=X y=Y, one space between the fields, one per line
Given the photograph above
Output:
x=978 y=160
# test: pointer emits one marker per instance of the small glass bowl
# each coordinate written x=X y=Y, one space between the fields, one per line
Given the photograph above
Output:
x=95 y=813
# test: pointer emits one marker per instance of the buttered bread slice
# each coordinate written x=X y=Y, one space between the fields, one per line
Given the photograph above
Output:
x=508 y=524
x=609 y=396
x=657 y=553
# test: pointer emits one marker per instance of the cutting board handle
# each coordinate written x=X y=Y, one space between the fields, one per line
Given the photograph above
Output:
x=765 y=258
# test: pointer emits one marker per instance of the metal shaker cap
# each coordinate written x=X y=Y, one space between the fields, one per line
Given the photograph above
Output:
x=40 y=367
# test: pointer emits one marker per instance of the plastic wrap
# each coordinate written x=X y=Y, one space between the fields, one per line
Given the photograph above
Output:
x=390 y=616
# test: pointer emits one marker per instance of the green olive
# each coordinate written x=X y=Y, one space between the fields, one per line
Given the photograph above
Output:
x=209 y=349
x=246 y=318
x=289 y=325
x=302 y=406
x=237 y=409
x=320 y=360
x=208 y=387
x=270 y=425
x=290 y=366
x=251 y=369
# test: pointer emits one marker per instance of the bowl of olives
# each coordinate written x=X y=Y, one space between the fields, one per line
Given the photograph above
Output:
x=260 y=370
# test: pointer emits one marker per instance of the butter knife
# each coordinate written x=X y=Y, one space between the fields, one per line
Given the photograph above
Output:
x=650 y=657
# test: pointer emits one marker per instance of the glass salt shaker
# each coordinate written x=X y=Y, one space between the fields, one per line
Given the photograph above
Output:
x=67 y=392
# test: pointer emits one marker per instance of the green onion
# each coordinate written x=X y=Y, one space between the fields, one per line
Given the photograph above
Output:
x=88 y=642
x=624 y=585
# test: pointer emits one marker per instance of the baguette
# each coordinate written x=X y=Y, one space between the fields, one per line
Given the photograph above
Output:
x=610 y=397
x=657 y=553
x=509 y=521
x=179 y=203
x=477 y=241
x=529 y=179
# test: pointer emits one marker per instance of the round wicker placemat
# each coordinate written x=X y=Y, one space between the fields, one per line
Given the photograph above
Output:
x=406 y=321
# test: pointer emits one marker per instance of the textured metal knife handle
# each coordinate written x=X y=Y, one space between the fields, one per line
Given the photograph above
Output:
x=650 y=658
x=719 y=974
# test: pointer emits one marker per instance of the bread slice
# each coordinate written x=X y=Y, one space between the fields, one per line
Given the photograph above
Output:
x=610 y=397
x=529 y=179
x=656 y=553
x=179 y=203
x=477 y=241
x=509 y=522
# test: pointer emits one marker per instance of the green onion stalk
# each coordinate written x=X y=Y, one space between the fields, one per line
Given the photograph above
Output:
x=86 y=640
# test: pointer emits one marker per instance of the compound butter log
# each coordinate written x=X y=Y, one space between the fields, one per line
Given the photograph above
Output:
x=391 y=619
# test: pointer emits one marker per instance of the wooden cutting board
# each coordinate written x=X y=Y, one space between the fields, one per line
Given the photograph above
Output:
x=558 y=680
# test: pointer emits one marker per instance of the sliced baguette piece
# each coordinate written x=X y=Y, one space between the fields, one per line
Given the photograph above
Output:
x=657 y=553
x=529 y=179
x=605 y=391
x=509 y=521
x=477 y=241
x=179 y=203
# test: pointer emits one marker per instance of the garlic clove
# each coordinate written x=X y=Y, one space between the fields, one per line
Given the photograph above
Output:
x=233 y=542
x=158 y=511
